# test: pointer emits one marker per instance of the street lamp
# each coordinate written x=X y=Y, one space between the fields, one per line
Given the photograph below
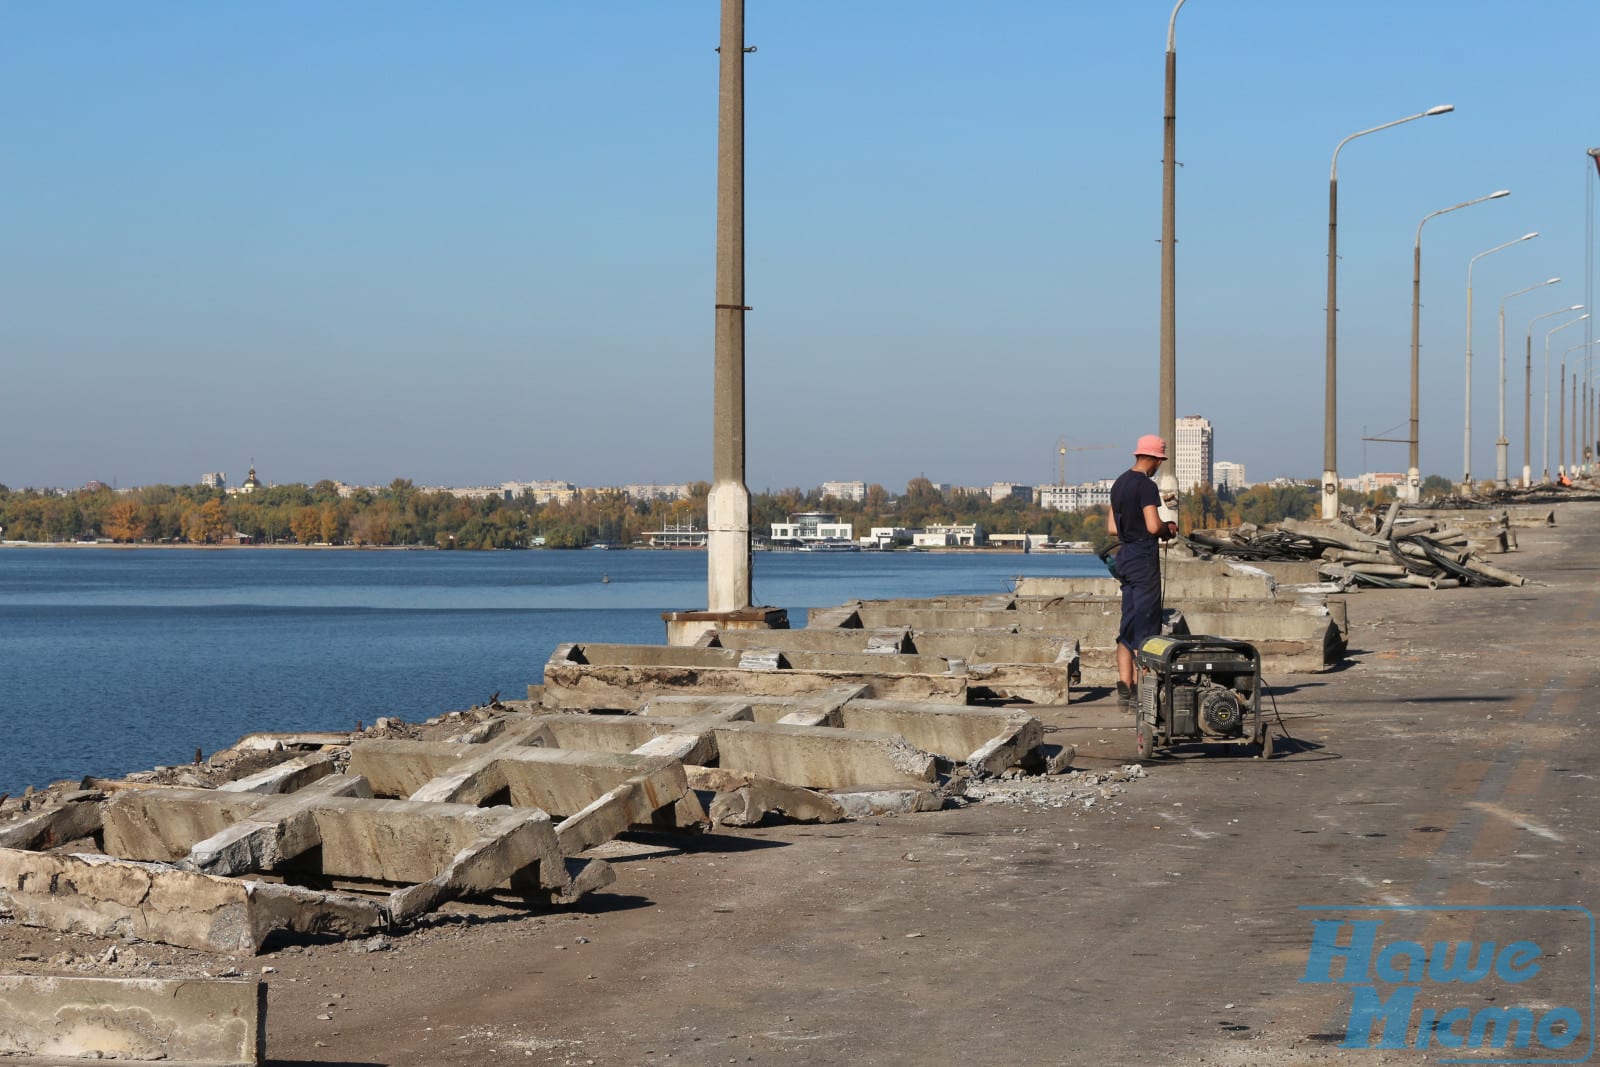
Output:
x=1561 y=431
x=1466 y=447
x=1588 y=398
x=1413 y=486
x=1545 y=476
x=1502 y=447
x=1168 y=479
x=1330 y=437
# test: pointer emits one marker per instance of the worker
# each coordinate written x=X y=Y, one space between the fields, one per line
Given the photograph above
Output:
x=1135 y=521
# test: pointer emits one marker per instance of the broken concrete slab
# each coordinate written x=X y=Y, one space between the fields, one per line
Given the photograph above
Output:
x=286 y=777
x=865 y=803
x=558 y=781
x=744 y=799
x=987 y=741
x=821 y=757
x=892 y=640
x=77 y=815
x=329 y=835
x=625 y=677
x=816 y=706
x=201 y=1022
x=1001 y=664
x=106 y=897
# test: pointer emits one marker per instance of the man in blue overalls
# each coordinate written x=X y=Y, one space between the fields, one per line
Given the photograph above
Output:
x=1135 y=520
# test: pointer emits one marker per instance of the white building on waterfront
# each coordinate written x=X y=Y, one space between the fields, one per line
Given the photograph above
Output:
x=1192 y=452
x=949 y=535
x=813 y=526
x=1229 y=476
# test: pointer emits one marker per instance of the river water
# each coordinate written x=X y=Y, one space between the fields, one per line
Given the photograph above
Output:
x=116 y=660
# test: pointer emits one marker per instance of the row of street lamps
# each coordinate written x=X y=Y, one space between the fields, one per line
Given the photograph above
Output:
x=1330 y=475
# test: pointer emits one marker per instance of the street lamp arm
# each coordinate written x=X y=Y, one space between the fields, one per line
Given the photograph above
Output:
x=1466 y=203
x=1333 y=171
x=1496 y=248
x=1172 y=28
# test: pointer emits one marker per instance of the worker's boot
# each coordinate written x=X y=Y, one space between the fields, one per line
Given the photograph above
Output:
x=1127 y=698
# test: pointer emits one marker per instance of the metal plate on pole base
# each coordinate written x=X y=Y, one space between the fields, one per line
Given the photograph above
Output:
x=685 y=628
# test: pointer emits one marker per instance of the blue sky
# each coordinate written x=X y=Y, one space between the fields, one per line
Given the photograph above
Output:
x=469 y=242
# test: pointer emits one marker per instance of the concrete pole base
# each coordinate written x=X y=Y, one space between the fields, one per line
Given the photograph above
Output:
x=685 y=628
x=728 y=547
x=1412 y=491
x=1527 y=477
x=1330 y=495
x=1502 y=459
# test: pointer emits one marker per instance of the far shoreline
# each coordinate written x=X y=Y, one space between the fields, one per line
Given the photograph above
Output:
x=295 y=547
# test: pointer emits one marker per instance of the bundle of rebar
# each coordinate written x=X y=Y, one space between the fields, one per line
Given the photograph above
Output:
x=1420 y=554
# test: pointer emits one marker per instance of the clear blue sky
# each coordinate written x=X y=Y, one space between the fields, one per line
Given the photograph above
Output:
x=468 y=242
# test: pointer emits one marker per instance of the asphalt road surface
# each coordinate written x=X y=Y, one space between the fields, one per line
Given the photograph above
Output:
x=1439 y=789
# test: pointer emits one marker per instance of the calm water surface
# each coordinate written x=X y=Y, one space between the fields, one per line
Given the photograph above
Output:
x=113 y=661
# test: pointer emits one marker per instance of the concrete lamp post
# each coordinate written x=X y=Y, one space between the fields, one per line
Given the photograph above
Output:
x=1466 y=435
x=1502 y=447
x=1167 y=480
x=1330 y=412
x=1561 y=426
x=1413 y=487
x=1545 y=475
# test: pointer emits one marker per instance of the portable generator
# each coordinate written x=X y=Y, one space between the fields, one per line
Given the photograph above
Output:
x=1197 y=688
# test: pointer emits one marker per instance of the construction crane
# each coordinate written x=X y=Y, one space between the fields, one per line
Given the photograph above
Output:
x=1062 y=448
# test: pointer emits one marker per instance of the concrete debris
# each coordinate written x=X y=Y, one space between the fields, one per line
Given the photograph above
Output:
x=196 y=1022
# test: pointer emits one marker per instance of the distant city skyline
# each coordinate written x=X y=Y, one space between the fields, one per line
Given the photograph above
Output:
x=460 y=243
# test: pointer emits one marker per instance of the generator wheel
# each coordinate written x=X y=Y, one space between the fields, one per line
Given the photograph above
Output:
x=1144 y=739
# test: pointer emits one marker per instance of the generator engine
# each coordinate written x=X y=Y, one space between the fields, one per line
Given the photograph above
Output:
x=1199 y=688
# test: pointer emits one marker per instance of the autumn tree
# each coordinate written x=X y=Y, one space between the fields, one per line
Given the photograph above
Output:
x=306 y=525
x=205 y=524
x=124 y=521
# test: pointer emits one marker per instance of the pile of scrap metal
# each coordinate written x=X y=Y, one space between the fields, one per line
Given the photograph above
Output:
x=1425 y=554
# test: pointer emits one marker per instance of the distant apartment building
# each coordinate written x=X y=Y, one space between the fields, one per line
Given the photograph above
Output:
x=853 y=492
x=1076 y=497
x=1372 y=481
x=813 y=526
x=1000 y=491
x=656 y=492
x=214 y=479
x=546 y=492
x=1192 y=452
x=1229 y=476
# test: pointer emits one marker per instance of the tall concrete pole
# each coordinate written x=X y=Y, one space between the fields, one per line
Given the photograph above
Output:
x=728 y=507
x=1502 y=447
x=1330 y=404
x=1167 y=479
x=1561 y=427
x=1527 y=416
x=1466 y=423
x=1413 y=487
x=1545 y=421
x=1412 y=491
x=1330 y=409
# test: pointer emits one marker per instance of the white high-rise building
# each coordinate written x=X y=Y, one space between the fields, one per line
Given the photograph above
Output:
x=1226 y=475
x=1192 y=452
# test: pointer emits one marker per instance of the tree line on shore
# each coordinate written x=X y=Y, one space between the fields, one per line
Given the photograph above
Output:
x=402 y=515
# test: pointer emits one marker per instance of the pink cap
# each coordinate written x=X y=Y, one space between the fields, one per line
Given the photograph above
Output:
x=1151 y=445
